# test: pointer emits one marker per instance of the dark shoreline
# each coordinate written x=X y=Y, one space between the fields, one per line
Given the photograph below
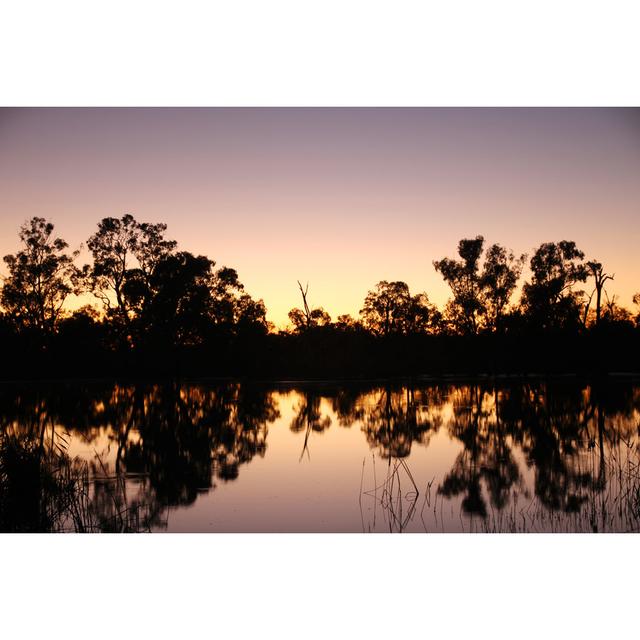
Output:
x=328 y=354
x=613 y=376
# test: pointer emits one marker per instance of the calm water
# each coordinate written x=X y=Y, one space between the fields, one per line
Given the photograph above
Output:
x=534 y=456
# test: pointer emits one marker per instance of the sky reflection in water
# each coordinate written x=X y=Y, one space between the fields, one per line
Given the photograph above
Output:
x=532 y=456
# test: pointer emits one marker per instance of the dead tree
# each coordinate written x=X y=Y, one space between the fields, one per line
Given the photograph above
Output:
x=597 y=271
x=307 y=311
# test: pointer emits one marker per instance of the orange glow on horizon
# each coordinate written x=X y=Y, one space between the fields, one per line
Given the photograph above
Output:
x=339 y=198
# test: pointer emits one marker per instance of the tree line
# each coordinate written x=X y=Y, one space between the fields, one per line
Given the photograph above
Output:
x=148 y=290
x=483 y=283
x=156 y=302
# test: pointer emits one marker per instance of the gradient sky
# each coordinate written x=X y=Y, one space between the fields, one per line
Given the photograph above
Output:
x=341 y=198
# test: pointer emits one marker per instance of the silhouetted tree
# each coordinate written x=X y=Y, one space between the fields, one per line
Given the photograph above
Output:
x=225 y=290
x=499 y=278
x=391 y=309
x=466 y=308
x=307 y=318
x=183 y=297
x=81 y=333
x=124 y=249
x=613 y=314
x=596 y=271
x=345 y=322
x=175 y=302
x=306 y=312
x=480 y=296
x=160 y=303
x=41 y=277
x=548 y=300
x=163 y=295
x=112 y=247
x=636 y=301
x=251 y=315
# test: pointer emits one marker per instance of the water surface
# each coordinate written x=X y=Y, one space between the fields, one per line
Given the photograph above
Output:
x=429 y=457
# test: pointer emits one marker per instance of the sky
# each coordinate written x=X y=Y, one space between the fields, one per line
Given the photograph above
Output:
x=339 y=198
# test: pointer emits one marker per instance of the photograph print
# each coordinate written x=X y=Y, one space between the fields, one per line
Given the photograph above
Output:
x=310 y=320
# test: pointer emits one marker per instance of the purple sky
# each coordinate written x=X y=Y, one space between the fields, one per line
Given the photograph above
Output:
x=341 y=198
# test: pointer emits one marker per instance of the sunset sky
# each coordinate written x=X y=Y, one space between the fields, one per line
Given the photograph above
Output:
x=341 y=198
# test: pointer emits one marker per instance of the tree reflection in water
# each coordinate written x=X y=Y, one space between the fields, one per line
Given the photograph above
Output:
x=529 y=456
x=394 y=419
x=580 y=441
x=309 y=418
x=165 y=443
x=486 y=454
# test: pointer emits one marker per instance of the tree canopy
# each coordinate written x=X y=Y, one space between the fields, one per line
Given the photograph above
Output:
x=548 y=299
x=480 y=293
x=391 y=309
x=41 y=277
x=157 y=299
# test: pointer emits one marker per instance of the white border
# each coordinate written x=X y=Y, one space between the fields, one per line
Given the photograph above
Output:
x=319 y=586
x=323 y=53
